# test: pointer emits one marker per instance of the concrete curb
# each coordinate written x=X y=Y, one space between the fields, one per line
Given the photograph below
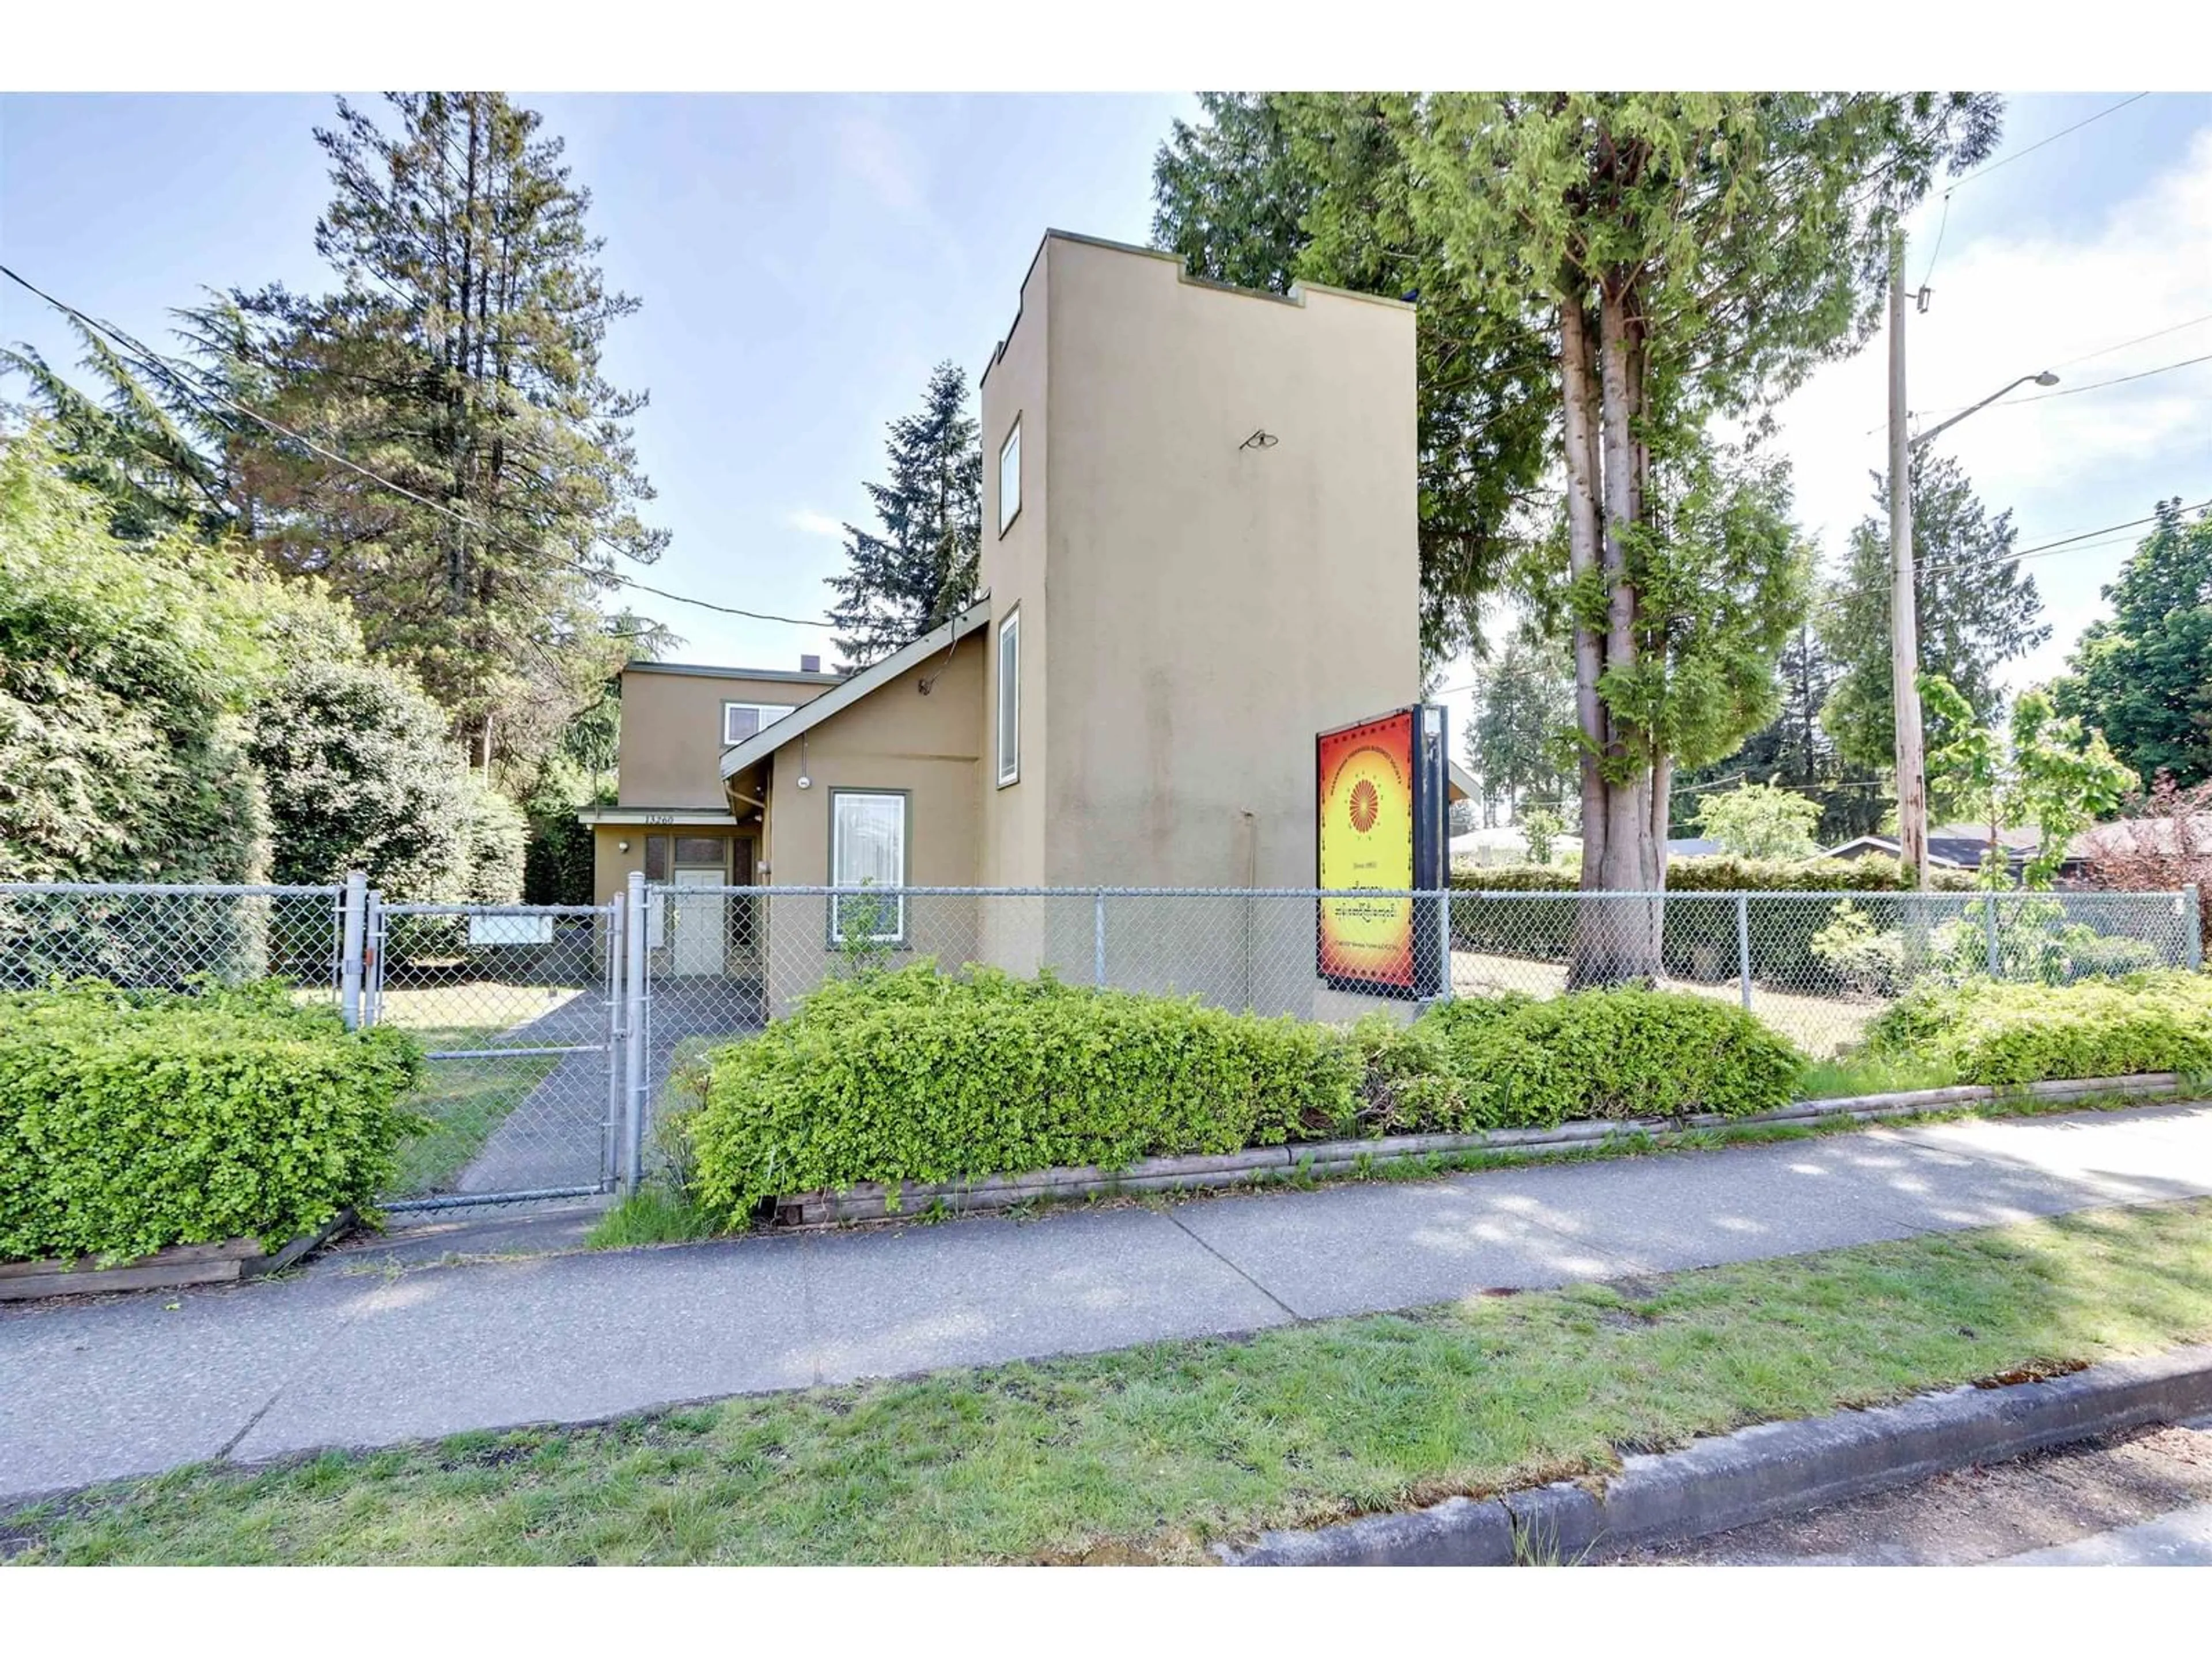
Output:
x=1760 y=1473
x=877 y=1201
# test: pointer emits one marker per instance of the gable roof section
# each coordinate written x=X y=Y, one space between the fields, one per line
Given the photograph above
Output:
x=772 y=736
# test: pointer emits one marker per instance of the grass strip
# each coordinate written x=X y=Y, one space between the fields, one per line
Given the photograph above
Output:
x=1151 y=1453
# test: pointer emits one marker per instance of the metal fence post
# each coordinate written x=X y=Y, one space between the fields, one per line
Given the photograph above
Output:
x=2192 y=927
x=1443 y=943
x=1990 y=928
x=1098 y=938
x=1743 y=945
x=637 y=1039
x=372 y=967
x=353 y=937
x=617 y=956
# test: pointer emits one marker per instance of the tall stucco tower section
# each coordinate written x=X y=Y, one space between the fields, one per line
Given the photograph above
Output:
x=1215 y=558
x=1017 y=444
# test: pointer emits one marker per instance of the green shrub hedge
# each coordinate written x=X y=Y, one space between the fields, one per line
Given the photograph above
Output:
x=919 y=1076
x=1623 y=1053
x=1997 y=1033
x=132 y=1120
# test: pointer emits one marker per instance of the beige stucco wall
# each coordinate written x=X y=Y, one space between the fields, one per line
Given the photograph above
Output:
x=671 y=730
x=895 y=738
x=1194 y=611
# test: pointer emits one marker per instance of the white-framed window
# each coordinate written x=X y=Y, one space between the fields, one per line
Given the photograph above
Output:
x=1010 y=698
x=741 y=719
x=868 y=848
x=1010 y=476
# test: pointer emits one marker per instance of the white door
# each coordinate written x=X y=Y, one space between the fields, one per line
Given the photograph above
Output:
x=698 y=922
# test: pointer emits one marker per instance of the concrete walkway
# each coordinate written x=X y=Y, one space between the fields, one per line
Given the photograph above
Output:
x=134 y=1384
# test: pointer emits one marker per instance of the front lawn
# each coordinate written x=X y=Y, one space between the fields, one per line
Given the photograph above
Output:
x=1153 y=1452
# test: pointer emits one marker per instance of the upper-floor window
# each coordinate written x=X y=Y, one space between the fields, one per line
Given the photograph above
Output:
x=1010 y=698
x=1010 y=476
x=741 y=719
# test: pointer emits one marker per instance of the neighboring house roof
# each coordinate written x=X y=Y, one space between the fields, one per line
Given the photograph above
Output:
x=703 y=671
x=1859 y=847
x=1462 y=783
x=739 y=758
x=1953 y=846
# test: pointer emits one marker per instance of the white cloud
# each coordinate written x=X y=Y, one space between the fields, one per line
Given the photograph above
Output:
x=815 y=524
x=2006 y=304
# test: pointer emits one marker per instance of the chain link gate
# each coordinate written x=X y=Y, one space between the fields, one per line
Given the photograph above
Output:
x=520 y=1011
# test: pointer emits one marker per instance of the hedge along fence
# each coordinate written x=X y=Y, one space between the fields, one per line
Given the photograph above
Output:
x=919 y=1076
x=1999 y=1034
x=130 y=1121
x=1699 y=937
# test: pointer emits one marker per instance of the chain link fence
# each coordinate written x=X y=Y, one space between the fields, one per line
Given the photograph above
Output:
x=557 y=1033
x=718 y=961
x=170 y=938
x=518 y=1011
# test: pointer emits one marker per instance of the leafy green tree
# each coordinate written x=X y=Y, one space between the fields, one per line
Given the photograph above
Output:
x=1520 y=737
x=921 y=570
x=1976 y=611
x=152 y=444
x=1539 y=826
x=1761 y=821
x=2143 y=676
x=361 y=775
x=1681 y=256
x=2045 y=771
x=459 y=358
x=124 y=669
x=1796 y=749
x=498 y=838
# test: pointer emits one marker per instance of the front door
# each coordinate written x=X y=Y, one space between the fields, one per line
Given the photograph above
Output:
x=699 y=927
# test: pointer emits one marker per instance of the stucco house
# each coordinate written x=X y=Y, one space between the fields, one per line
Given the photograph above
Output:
x=1198 y=551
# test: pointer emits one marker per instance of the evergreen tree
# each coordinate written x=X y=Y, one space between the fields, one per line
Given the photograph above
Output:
x=1977 y=612
x=459 y=358
x=1797 y=751
x=921 y=569
x=1520 y=737
x=1679 y=256
x=2143 y=676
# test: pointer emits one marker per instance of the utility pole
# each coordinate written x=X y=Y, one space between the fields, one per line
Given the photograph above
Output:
x=1904 y=610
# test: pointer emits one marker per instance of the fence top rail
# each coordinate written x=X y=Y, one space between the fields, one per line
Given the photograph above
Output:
x=398 y=908
x=182 y=890
x=1680 y=895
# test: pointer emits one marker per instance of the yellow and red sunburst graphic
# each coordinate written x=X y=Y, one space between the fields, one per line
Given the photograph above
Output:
x=1366 y=830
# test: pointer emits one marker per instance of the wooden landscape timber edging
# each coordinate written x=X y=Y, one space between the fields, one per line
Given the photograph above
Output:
x=878 y=1200
x=180 y=1265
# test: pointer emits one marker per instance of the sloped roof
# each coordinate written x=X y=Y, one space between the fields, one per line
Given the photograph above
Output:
x=742 y=757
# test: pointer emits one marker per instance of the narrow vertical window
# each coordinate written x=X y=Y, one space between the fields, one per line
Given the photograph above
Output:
x=1010 y=698
x=867 y=848
x=1010 y=476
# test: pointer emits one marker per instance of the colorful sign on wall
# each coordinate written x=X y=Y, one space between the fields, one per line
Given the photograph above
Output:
x=1375 y=794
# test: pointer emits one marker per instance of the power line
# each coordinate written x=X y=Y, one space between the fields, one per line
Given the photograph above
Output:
x=2008 y=160
x=2073 y=543
x=2156 y=333
x=197 y=383
x=2073 y=390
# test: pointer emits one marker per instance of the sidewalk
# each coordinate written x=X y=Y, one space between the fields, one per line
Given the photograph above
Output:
x=135 y=1384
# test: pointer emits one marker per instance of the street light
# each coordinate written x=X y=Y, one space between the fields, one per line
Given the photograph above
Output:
x=1904 y=623
x=2046 y=378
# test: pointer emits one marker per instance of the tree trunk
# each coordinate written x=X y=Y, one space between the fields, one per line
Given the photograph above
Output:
x=1578 y=375
x=1615 y=939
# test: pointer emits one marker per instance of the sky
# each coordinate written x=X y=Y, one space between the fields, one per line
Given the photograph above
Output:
x=803 y=261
